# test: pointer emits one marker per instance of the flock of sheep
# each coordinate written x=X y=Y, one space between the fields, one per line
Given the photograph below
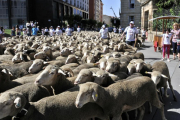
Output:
x=79 y=77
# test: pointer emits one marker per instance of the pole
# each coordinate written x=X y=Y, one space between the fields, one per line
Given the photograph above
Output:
x=156 y=26
x=163 y=27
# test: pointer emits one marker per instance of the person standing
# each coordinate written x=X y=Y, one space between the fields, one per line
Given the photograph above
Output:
x=166 y=44
x=42 y=31
x=24 y=32
x=1 y=34
x=28 y=29
x=46 y=31
x=58 y=31
x=114 y=29
x=13 y=31
x=51 y=31
x=18 y=31
x=120 y=30
x=104 y=33
x=78 y=29
x=175 y=35
x=68 y=31
x=34 y=30
x=131 y=34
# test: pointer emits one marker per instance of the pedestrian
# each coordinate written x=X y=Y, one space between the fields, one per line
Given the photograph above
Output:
x=120 y=30
x=175 y=36
x=166 y=43
x=78 y=29
x=34 y=30
x=146 y=34
x=18 y=31
x=28 y=29
x=42 y=31
x=104 y=33
x=138 y=30
x=131 y=34
x=46 y=31
x=68 y=31
x=51 y=31
x=13 y=32
x=24 y=32
x=1 y=35
x=114 y=29
x=58 y=31
x=32 y=24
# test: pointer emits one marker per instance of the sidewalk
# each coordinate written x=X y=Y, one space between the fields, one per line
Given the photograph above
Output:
x=172 y=109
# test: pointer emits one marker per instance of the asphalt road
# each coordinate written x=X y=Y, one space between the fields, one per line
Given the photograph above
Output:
x=172 y=108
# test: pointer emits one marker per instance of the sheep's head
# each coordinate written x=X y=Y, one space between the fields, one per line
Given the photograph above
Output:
x=112 y=65
x=156 y=76
x=85 y=75
x=88 y=93
x=11 y=103
x=40 y=55
x=131 y=68
x=139 y=65
x=65 y=52
x=102 y=63
x=49 y=75
x=37 y=65
x=18 y=58
x=100 y=77
x=71 y=59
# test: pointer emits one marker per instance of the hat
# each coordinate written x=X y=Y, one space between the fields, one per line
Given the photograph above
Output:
x=28 y=24
x=175 y=24
x=58 y=26
x=132 y=22
x=68 y=25
x=103 y=26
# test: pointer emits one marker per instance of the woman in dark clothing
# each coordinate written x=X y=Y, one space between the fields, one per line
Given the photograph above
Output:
x=18 y=31
x=13 y=33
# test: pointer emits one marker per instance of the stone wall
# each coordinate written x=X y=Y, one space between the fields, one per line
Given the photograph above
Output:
x=126 y=11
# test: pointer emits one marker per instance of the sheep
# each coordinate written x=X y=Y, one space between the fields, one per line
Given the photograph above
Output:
x=114 y=65
x=53 y=76
x=121 y=96
x=30 y=53
x=18 y=70
x=41 y=55
x=19 y=57
x=83 y=66
x=71 y=59
x=138 y=55
x=59 y=107
x=160 y=76
x=9 y=51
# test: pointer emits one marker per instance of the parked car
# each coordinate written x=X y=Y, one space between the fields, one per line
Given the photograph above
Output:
x=110 y=29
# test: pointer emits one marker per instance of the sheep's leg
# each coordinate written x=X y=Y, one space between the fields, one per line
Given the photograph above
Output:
x=165 y=92
x=156 y=102
x=172 y=90
x=150 y=108
x=136 y=113
x=127 y=115
x=142 y=111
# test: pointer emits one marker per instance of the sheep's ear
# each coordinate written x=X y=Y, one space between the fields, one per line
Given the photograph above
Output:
x=46 y=63
x=17 y=102
x=164 y=76
x=61 y=72
x=148 y=72
x=94 y=96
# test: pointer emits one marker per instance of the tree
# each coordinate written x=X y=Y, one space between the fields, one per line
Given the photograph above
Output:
x=115 y=22
x=69 y=19
x=99 y=24
x=165 y=8
x=84 y=23
x=92 y=23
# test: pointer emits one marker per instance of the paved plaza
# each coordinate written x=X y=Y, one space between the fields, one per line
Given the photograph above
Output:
x=172 y=108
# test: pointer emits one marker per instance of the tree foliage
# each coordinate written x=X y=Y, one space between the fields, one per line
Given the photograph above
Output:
x=99 y=24
x=115 y=22
x=166 y=8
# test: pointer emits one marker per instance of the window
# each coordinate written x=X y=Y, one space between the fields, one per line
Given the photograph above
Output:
x=131 y=18
x=132 y=3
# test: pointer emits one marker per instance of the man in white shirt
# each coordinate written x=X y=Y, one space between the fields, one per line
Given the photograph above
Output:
x=68 y=31
x=104 y=32
x=131 y=34
x=1 y=35
x=58 y=31
x=114 y=29
x=78 y=29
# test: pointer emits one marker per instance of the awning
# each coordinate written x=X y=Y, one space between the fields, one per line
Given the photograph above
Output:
x=166 y=17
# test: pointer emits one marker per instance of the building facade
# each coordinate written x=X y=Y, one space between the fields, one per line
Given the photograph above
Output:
x=96 y=10
x=147 y=10
x=130 y=11
x=107 y=20
x=45 y=12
